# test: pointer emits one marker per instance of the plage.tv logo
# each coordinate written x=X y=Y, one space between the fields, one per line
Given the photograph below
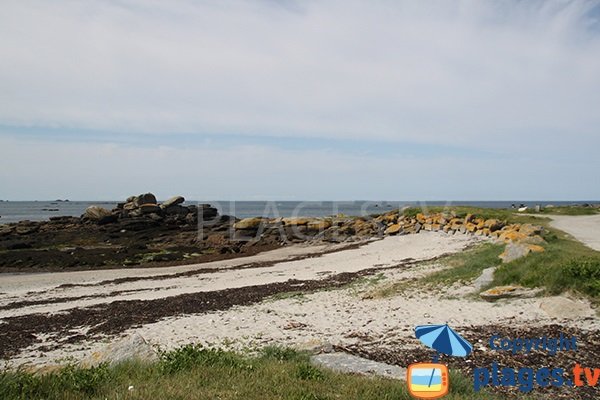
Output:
x=427 y=380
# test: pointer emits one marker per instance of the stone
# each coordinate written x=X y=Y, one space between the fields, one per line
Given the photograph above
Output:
x=565 y=308
x=5 y=230
x=485 y=279
x=129 y=348
x=96 y=213
x=530 y=230
x=319 y=225
x=510 y=291
x=418 y=227
x=535 y=239
x=536 y=248
x=296 y=221
x=315 y=346
x=129 y=206
x=393 y=229
x=249 y=223
x=392 y=217
x=150 y=208
x=346 y=363
x=512 y=236
x=146 y=198
x=173 y=201
x=470 y=227
x=492 y=224
x=176 y=210
x=514 y=251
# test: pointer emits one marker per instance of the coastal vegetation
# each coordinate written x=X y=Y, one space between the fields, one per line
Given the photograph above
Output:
x=565 y=264
x=193 y=372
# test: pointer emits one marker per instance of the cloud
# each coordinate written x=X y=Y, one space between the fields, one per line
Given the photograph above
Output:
x=438 y=72
x=518 y=80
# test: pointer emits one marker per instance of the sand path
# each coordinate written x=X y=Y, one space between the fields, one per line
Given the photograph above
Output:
x=585 y=228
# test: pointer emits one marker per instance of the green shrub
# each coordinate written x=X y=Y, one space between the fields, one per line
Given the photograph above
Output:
x=84 y=380
x=586 y=271
x=307 y=372
x=192 y=355
x=282 y=354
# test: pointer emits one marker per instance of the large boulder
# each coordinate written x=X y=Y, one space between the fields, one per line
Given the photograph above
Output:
x=249 y=223
x=393 y=229
x=98 y=214
x=129 y=348
x=146 y=198
x=173 y=201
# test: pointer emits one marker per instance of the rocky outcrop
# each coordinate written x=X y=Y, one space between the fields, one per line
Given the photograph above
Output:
x=96 y=213
x=146 y=206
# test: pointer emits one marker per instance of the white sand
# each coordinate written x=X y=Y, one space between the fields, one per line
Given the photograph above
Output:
x=386 y=252
x=343 y=316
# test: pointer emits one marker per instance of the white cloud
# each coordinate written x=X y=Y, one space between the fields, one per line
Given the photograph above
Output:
x=518 y=79
x=493 y=73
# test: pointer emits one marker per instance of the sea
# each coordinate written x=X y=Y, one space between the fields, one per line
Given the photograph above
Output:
x=14 y=211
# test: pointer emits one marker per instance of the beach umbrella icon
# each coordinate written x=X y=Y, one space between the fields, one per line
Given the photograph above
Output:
x=443 y=339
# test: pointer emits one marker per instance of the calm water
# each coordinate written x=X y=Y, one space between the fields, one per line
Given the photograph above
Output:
x=13 y=211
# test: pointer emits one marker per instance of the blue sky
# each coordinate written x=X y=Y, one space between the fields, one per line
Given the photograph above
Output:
x=308 y=100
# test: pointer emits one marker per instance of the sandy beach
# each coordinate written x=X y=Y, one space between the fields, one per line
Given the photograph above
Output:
x=86 y=309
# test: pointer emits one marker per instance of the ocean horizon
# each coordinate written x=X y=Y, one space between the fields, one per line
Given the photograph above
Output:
x=42 y=210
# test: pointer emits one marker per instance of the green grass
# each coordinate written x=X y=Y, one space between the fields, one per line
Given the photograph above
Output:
x=568 y=210
x=508 y=215
x=467 y=265
x=566 y=265
x=192 y=372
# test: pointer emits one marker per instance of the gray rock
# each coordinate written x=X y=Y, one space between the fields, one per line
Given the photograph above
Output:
x=564 y=308
x=485 y=279
x=130 y=348
x=95 y=213
x=146 y=198
x=418 y=227
x=514 y=251
x=149 y=208
x=346 y=363
x=173 y=201
x=176 y=210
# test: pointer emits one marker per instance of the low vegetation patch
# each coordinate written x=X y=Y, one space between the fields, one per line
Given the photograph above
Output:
x=566 y=264
x=467 y=265
x=568 y=210
x=193 y=372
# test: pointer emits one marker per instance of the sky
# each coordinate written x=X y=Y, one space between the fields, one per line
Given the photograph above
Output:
x=300 y=100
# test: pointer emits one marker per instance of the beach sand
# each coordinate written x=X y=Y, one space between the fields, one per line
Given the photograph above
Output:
x=337 y=313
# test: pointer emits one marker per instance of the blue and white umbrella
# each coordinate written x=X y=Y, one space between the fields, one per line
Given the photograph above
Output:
x=443 y=339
